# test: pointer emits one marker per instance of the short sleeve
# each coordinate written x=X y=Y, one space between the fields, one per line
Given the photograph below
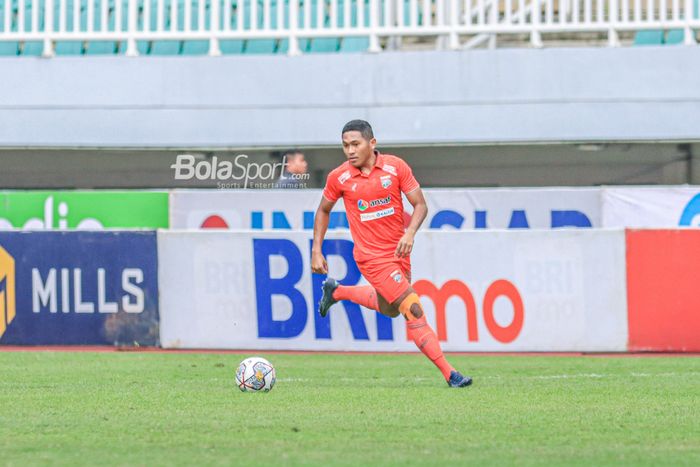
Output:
x=332 y=189
x=407 y=182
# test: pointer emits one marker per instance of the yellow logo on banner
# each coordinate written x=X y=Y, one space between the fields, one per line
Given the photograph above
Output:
x=7 y=290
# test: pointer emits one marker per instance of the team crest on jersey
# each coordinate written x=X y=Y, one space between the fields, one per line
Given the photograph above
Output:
x=344 y=177
x=386 y=181
x=390 y=168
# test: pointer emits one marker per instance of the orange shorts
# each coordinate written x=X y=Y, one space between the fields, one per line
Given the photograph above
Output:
x=389 y=276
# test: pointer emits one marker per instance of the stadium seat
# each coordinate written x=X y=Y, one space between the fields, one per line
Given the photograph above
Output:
x=66 y=47
x=196 y=47
x=144 y=47
x=283 y=44
x=356 y=44
x=231 y=46
x=677 y=36
x=649 y=38
x=326 y=44
x=101 y=47
x=31 y=48
x=166 y=47
x=9 y=48
x=260 y=46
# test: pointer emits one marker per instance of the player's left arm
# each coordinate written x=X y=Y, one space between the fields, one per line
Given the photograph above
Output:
x=420 y=211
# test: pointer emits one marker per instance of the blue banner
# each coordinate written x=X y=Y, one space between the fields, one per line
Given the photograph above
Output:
x=78 y=288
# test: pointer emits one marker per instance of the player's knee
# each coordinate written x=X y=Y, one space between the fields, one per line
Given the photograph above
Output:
x=416 y=310
x=410 y=307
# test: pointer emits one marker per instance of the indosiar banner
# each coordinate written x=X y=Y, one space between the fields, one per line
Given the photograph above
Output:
x=83 y=210
x=463 y=209
x=75 y=288
x=527 y=290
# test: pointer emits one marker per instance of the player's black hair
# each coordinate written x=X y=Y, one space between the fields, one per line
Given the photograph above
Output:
x=359 y=125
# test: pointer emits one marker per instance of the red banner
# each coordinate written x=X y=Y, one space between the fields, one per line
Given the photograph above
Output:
x=663 y=290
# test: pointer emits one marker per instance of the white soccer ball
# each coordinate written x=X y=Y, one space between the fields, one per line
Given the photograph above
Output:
x=255 y=374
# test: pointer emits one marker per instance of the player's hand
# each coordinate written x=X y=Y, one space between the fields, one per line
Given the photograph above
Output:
x=318 y=263
x=405 y=246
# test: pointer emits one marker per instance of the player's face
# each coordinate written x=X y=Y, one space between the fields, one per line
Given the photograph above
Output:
x=357 y=149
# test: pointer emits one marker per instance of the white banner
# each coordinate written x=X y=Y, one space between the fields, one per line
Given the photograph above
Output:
x=465 y=209
x=500 y=291
x=655 y=207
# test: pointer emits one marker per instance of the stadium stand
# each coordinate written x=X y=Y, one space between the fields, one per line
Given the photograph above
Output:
x=199 y=27
x=672 y=37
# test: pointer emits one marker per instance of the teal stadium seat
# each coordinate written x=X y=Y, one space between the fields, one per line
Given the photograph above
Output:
x=356 y=44
x=674 y=37
x=201 y=47
x=165 y=47
x=9 y=48
x=677 y=36
x=326 y=44
x=144 y=47
x=108 y=47
x=649 y=38
x=196 y=47
x=303 y=43
x=31 y=48
x=66 y=47
x=232 y=46
x=260 y=46
x=659 y=37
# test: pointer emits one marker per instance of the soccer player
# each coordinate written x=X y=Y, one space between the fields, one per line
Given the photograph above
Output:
x=371 y=184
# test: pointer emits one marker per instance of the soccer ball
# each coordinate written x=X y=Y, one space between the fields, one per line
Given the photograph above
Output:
x=255 y=374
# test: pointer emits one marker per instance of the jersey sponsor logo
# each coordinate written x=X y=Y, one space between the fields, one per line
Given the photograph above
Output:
x=362 y=204
x=390 y=168
x=370 y=216
x=386 y=181
x=380 y=202
x=344 y=177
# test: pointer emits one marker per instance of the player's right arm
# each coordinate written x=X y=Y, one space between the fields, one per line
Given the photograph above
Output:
x=318 y=262
x=331 y=193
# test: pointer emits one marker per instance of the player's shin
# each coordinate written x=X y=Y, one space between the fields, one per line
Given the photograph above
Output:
x=420 y=332
x=364 y=295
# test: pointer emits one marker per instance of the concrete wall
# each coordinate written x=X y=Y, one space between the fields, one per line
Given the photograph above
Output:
x=412 y=98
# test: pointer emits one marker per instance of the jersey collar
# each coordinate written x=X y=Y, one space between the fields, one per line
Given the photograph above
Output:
x=378 y=163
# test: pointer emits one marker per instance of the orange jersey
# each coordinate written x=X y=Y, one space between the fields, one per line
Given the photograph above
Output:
x=373 y=203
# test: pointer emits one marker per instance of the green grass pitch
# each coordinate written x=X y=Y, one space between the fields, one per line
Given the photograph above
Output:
x=144 y=408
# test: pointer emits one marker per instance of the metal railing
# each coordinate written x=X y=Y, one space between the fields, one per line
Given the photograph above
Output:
x=461 y=23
